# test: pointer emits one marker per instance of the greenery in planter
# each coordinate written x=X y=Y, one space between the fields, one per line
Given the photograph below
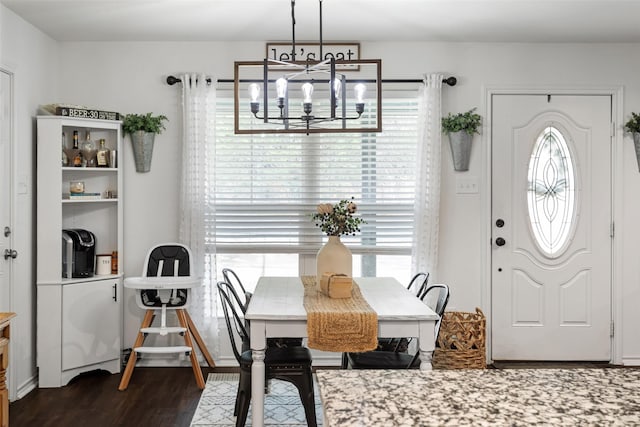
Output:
x=145 y=122
x=468 y=122
x=633 y=125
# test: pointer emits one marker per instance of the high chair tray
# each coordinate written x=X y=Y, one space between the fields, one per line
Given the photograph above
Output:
x=162 y=282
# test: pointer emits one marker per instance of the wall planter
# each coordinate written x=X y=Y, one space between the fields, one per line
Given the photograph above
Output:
x=460 y=128
x=636 y=143
x=142 y=144
x=142 y=128
x=633 y=127
x=460 y=143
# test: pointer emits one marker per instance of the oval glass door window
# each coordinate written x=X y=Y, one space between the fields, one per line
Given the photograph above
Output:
x=551 y=192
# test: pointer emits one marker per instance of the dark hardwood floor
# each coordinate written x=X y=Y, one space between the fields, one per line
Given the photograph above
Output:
x=156 y=397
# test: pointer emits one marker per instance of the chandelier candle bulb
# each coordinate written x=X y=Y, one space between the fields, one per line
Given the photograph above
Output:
x=359 y=90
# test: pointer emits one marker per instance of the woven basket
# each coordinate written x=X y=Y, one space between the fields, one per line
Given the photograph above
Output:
x=461 y=341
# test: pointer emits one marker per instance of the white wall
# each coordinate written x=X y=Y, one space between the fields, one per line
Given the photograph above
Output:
x=129 y=77
x=33 y=58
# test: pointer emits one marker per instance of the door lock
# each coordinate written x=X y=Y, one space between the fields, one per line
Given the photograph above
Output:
x=500 y=223
x=500 y=241
x=10 y=253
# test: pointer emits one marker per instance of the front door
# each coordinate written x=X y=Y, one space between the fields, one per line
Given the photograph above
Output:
x=5 y=190
x=551 y=227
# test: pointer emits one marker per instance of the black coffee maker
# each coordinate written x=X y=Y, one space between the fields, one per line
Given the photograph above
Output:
x=78 y=253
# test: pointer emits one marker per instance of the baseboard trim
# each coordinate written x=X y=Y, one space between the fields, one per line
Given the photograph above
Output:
x=27 y=387
x=631 y=361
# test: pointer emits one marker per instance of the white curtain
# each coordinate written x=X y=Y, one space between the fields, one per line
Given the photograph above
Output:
x=424 y=254
x=198 y=142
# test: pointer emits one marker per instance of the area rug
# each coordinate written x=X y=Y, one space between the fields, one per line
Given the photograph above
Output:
x=282 y=404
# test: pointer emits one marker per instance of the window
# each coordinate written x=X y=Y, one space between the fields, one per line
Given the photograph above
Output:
x=267 y=187
x=551 y=194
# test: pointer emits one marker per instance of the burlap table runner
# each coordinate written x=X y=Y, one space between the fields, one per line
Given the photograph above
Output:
x=340 y=325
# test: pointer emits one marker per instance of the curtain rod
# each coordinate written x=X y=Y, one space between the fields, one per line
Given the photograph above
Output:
x=451 y=81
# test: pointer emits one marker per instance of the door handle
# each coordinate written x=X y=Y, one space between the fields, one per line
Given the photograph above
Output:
x=115 y=292
x=500 y=241
x=10 y=253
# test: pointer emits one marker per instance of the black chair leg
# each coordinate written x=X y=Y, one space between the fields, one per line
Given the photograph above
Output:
x=237 y=405
x=345 y=361
x=304 y=384
x=244 y=399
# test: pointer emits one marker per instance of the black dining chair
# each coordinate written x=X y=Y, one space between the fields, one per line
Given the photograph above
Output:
x=436 y=297
x=232 y=278
x=417 y=286
x=244 y=296
x=291 y=364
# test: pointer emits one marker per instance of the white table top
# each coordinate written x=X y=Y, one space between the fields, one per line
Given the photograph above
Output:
x=281 y=298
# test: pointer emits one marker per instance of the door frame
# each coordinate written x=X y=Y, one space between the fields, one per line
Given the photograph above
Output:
x=11 y=377
x=616 y=93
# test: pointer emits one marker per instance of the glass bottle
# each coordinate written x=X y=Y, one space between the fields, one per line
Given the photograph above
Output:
x=103 y=155
x=65 y=158
x=89 y=150
x=77 y=157
x=114 y=262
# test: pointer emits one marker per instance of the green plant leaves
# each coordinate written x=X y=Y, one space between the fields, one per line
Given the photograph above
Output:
x=633 y=125
x=468 y=122
x=145 y=122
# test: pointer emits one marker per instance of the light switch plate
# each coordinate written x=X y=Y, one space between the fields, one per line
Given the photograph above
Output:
x=466 y=184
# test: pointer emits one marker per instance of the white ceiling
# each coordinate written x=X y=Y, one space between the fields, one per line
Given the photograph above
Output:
x=605 y=21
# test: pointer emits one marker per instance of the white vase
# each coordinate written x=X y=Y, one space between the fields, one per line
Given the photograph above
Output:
x=333 y=257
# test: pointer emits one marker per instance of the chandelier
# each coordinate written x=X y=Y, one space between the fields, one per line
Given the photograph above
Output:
x=316 y=95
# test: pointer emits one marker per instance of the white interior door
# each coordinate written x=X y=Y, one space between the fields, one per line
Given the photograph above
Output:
x=551 y=227
x=5 y=189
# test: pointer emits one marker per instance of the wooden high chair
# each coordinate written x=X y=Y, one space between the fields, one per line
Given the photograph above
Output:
x=165 y=284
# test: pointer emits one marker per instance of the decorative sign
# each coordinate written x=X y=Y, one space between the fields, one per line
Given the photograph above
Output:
x=311 y=52
x=87 y=114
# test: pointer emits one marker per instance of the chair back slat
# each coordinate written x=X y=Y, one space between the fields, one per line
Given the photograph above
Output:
x=436 y=297
x=232 y=278
x=418 y=283
x=231 y=316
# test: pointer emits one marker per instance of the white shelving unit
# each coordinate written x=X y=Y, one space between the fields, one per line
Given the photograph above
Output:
x=79 y=321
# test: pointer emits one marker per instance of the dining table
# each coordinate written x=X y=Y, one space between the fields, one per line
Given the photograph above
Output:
x=277 y=309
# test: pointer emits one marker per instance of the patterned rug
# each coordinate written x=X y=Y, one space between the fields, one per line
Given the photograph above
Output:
x=282 y=405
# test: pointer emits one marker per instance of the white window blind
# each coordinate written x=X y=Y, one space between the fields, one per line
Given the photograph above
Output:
x=267 y=186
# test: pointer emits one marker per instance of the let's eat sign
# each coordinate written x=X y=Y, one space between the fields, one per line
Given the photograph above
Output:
x=311 y=52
